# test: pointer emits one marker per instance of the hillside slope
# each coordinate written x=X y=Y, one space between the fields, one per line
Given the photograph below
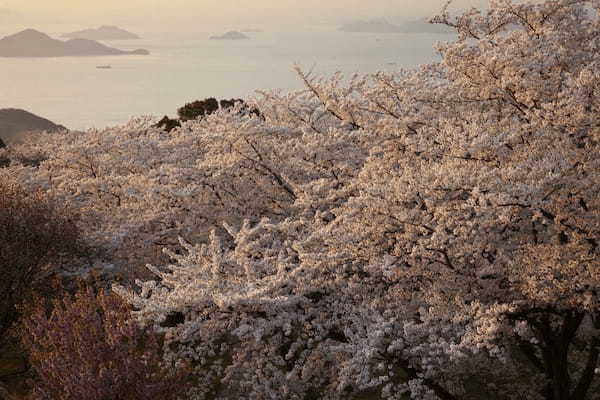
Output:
x=14 y=122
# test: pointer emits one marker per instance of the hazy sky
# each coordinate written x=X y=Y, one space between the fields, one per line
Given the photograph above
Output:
x=192 y=15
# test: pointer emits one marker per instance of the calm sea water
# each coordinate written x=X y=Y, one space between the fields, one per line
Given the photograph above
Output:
x=73 y=92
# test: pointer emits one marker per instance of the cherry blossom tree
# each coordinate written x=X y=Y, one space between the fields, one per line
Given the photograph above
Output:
x=138 y=189
x=88 y=348
x=483 y=198
x=37 y=236
x=468 y=243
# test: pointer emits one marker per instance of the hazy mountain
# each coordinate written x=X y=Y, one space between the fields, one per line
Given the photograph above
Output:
x=32 y=43
x=105 y=32
x=381 y=25
x=232 y=35
x=14 y=123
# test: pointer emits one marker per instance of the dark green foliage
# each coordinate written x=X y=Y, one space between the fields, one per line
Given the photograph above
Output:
x=198 y=108
x=244 y=108
x=168 y=124
x=202 y=108
x=230 y=103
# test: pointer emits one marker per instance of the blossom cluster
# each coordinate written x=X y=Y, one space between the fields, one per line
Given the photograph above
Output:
x=430 y=233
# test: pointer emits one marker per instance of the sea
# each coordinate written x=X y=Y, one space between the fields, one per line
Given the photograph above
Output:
x=73 y=92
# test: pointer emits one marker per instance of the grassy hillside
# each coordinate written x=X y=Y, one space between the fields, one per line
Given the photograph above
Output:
x=14 y=122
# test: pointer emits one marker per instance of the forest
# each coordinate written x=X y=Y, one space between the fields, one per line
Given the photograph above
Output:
x=419 y=234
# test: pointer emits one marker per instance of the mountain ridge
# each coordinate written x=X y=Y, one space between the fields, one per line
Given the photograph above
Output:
x=104 y=32
x=14 y=122
x=33 y=43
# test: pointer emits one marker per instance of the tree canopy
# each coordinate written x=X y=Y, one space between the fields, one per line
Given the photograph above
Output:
x=430 y=233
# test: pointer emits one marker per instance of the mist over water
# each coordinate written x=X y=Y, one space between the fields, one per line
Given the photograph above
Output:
x=185 y=67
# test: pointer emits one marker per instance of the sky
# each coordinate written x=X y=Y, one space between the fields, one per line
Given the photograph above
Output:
x=194 y=15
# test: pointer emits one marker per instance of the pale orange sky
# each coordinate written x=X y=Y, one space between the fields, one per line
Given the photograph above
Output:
x=176 y=15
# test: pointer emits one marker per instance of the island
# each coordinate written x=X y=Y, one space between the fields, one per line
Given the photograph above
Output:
x=231 y=35
x=105 y=32
x=381 y=25
x=14 y=123
x=32 y=43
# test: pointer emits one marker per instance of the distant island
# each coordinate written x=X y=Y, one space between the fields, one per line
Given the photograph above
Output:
x=105 y=32
x=231 y=35
x=381 y=25
x=253 y=30
x=14 y=123
x=32 y=43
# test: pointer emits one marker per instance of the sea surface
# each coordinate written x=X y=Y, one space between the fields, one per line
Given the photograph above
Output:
x=181 y=68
